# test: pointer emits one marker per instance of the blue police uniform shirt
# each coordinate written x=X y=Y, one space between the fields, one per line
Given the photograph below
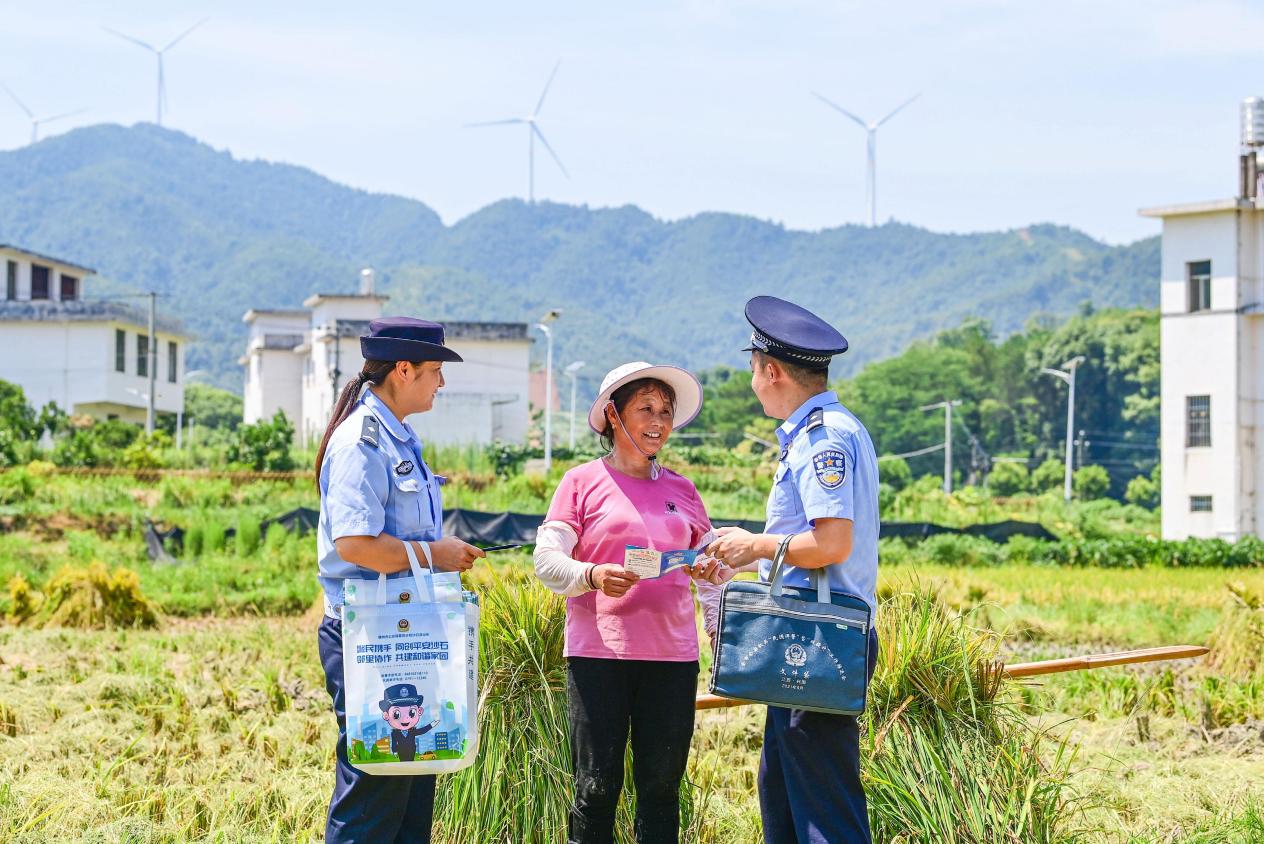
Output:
x=828 y=471
x=367 y=490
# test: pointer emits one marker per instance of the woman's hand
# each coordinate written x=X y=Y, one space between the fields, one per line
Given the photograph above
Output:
x=452 y=554
x=711 y=570
x=613 y=580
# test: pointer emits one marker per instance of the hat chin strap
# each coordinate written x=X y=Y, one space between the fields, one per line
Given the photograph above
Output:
x=653 y=458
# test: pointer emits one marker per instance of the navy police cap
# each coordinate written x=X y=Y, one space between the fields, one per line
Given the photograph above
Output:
x=405 y=338
x=400 y=694
x=785 y=331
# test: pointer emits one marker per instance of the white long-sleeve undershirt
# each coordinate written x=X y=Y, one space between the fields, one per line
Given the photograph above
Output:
x=554 y=566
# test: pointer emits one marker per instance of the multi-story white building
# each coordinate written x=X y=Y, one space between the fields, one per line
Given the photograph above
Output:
x=1211 y=336
x=298 y=361
x=90 y=357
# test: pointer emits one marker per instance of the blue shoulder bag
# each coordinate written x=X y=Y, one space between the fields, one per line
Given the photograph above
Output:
x=797 y=648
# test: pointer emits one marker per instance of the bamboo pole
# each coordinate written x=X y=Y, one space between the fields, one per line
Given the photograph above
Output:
x=1035 y=669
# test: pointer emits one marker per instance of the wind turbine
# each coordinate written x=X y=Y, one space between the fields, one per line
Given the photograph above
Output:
x=532 y=121
x=36 y=121
x=162 y=85
x=871 y=131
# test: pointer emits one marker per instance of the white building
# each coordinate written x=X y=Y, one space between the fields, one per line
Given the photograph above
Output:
x=1211 y=336
x=90 y=357
x=298 y=361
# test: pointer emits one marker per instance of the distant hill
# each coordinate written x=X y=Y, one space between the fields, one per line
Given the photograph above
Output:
x=153 y=208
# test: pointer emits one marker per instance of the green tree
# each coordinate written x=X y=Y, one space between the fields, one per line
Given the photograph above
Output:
x=730 y=404
x=1049 y=475
x=1008 y=479
x=1142 y=491
x=1090 y=482
x=18 y=423
x=212 y=407
x=265 y=445
x=895 y=473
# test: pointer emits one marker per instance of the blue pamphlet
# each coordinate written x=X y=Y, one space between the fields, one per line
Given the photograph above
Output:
x=646 y=563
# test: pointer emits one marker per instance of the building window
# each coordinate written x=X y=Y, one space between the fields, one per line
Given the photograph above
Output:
x=172 y=361
x=1197 y=421
x=39 y=282
x=120 y=350
x=1200 y=504
x=69 y=288
x=1199 y=274
x=142 y=355
x=11 y=282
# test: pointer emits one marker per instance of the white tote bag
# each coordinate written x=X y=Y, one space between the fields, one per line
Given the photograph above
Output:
x=410 y=673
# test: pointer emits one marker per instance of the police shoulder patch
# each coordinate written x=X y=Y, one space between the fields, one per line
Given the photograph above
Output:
x=830 y=465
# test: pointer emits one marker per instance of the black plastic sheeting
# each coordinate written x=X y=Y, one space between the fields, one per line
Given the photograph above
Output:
x=520 y=528
x=1004 y=531
x=298 y=520
x=156 y=542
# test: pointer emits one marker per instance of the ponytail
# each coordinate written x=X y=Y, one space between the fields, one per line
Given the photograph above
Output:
x=373 y=372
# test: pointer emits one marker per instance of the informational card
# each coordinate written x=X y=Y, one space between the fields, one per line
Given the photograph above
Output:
x=647 y=563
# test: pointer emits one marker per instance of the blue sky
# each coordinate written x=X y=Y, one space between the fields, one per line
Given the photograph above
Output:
x=1072 y=112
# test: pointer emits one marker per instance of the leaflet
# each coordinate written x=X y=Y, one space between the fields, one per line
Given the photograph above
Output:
x=647 y=563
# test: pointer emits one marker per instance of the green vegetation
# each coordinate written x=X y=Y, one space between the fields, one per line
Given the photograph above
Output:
x=114 y=667
x=115 y=198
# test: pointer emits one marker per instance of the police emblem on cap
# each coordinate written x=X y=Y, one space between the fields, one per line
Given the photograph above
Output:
x=404 y=467
x=831 y=468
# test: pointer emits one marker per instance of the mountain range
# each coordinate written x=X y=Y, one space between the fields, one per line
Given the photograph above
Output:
x=152 y=208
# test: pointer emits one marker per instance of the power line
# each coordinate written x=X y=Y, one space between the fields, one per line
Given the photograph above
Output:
x=918 y=453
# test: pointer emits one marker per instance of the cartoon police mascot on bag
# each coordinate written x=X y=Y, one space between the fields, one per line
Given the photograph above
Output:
x=401 y=709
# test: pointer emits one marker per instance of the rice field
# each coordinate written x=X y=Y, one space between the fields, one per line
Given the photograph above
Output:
x=173 y=703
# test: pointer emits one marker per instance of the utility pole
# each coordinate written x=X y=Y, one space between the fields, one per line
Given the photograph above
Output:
x=947 y=405
x=152 y=354
x=1067 y=375
x=543 y=325
x=1080 y=445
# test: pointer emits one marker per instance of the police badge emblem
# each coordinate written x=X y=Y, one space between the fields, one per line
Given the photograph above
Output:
x=830 y=466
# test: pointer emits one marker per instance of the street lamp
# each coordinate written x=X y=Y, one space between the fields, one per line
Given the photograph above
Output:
x=189 y=375
x=543 y=325
x=1067 y=374
x=571 y=372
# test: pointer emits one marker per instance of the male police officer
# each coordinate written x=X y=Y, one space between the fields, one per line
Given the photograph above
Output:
x=825 y=491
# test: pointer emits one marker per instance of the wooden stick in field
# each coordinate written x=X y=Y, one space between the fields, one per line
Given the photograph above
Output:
x=1034 y=669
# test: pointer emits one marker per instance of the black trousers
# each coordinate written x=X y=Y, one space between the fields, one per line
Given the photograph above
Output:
x=809 y=776
x=607 y=700
x=367 y=809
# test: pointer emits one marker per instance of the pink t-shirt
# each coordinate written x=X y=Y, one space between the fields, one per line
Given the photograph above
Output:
x=608 y=511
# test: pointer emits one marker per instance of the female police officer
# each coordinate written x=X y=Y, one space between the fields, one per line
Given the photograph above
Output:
x=376 y=493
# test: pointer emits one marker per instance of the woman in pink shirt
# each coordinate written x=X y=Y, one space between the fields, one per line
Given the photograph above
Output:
x=631 y=644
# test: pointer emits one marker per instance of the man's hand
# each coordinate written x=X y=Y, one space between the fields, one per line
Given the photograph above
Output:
x=452 y=554
x=736 y=547
x=613 y=580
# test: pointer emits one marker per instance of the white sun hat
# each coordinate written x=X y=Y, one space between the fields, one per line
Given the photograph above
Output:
x=685 y=383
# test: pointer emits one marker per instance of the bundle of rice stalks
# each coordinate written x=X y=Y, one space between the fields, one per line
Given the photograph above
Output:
x=92 y=597
x=1237 y=643
x=950 y=759
x=519 y=790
